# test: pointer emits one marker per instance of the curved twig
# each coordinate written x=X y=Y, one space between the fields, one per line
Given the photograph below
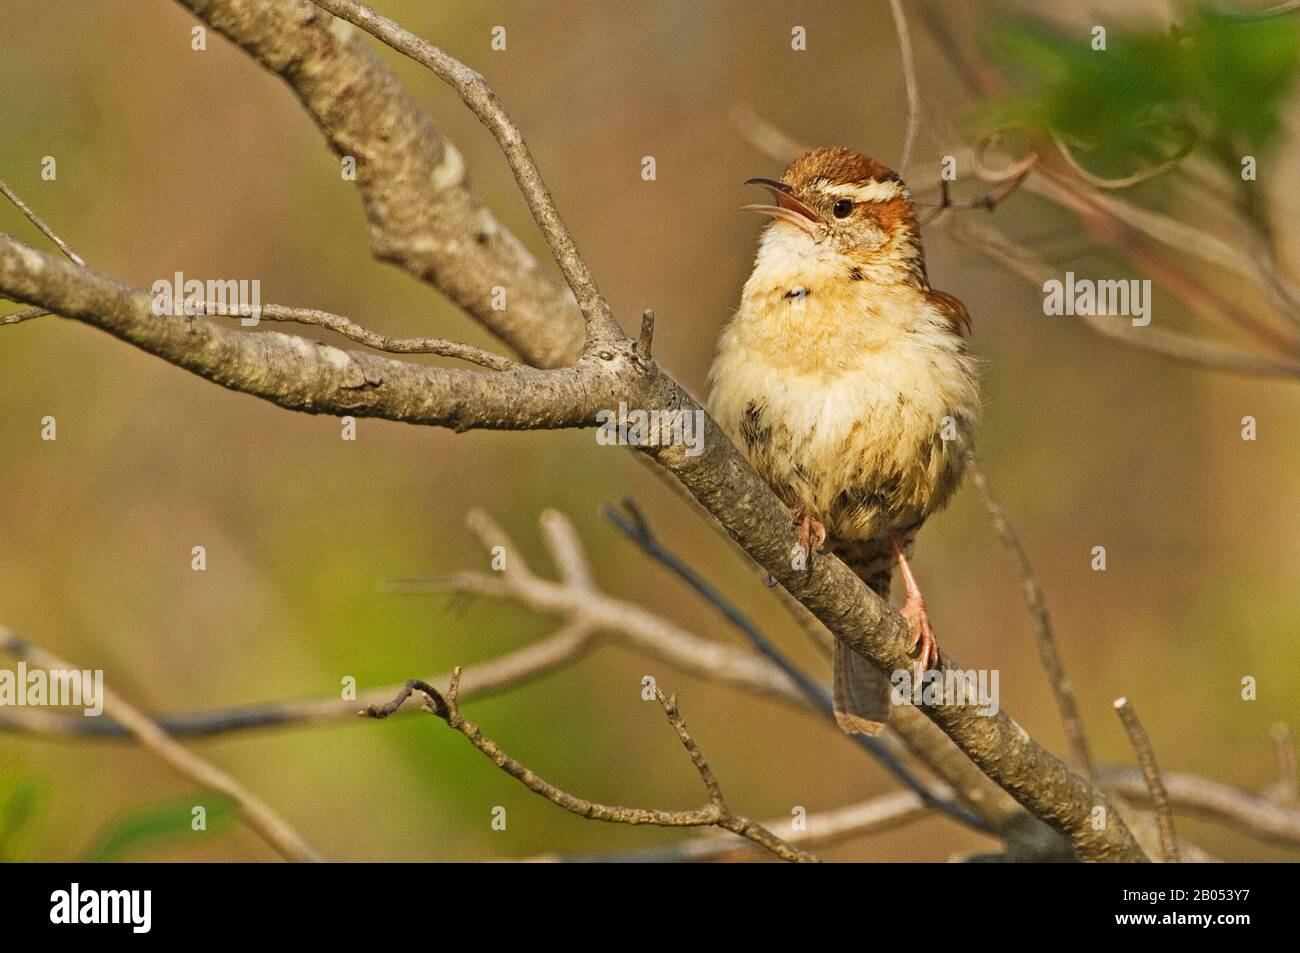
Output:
x=715 y=813
x=1127 y=181
x=482 y=101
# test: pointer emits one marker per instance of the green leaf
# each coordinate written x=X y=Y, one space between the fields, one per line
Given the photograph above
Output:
x=1245 y=69
x=1220 y=80
x=146 y=826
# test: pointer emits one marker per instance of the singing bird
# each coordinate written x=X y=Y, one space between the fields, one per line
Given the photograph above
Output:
x=845 y=379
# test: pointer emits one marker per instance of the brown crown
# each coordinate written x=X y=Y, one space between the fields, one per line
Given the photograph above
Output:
x=838 y=165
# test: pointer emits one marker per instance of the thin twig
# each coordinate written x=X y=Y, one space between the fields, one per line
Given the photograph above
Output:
x=1015 y=170
x=380 y=342
x=765 y=136
x=256 y=813
x=913 y=92
x=331 y=322
x=1048 y=652
x=1250 y=813
x=1187 y=285
x=1073 y=193
x=637 y=529
x=629 y=623
x=880 y=813
x=645 y=343
x=36 y=220
x=482 y=101
x=1278 y=10
x=1287 y=789
x=1151 y=773
x=1246 y=255
x=1124 y=182
x=1243 y=254
x=18 y=317
x=1180 y=347
x=713 y=814
x=987 y=202
x=974 y=73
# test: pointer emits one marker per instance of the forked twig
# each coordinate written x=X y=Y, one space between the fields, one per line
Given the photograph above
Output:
x=714 y=813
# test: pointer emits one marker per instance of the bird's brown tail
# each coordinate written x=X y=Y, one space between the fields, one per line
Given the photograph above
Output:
x=861 y=691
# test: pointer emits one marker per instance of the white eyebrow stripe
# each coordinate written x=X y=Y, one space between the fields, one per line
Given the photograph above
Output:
x=872 y=192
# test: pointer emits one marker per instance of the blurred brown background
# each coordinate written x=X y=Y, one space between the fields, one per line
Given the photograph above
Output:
x=174 y=160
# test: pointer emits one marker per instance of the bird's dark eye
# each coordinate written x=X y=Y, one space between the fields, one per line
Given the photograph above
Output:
x=842 y=208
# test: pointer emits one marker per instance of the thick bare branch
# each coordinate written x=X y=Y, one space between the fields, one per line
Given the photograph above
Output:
x=303 y=375
x=637 y=528
x=482 y=101
x=425 y=215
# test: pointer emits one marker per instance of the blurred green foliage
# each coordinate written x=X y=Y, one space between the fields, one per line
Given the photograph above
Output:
x=144 y=827
x=21 y=796
x=1217 y=80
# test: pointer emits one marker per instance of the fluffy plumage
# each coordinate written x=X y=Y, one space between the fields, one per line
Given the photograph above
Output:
x=842 y=372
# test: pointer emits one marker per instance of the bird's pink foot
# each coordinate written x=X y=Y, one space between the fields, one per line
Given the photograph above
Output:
x=812 y=534
x=926 y=648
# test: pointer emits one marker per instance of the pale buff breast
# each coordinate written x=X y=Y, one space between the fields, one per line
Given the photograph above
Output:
x=840 y=403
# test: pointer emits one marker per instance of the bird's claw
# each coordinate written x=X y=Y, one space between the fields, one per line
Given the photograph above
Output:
x=812 y=535
x=926 y=648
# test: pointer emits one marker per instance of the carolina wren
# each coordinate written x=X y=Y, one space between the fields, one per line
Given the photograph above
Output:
x=845 y=380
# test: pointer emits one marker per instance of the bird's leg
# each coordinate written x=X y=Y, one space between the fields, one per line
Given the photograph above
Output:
x=812 y=534
x=926 y=648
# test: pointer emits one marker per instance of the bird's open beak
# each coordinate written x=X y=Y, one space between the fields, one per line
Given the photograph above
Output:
x=787 y=207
